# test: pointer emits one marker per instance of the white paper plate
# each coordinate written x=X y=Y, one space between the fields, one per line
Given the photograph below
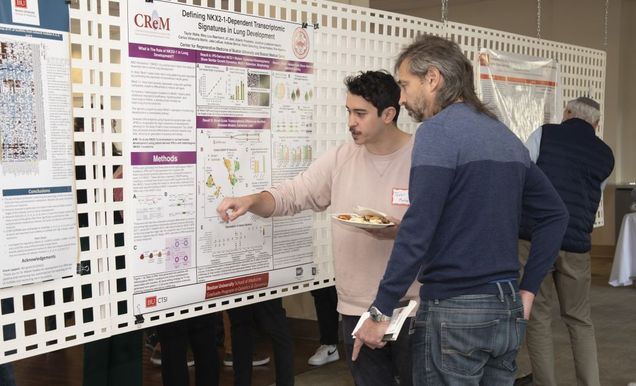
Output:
x=364 y=225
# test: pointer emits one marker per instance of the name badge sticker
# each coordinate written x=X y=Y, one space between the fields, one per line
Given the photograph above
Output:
x=400 y=197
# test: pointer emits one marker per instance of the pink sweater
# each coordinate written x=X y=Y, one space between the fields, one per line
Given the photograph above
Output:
x=343 y=178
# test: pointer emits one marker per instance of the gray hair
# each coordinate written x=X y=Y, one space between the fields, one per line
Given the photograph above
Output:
x=433 y=51
x=586 y=109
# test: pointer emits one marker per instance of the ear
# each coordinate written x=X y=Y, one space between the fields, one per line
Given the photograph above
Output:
x=433 y=78
x=388 y=114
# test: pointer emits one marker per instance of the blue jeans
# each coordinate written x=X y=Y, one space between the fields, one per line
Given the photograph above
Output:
x=468 y=340
x=7 y=377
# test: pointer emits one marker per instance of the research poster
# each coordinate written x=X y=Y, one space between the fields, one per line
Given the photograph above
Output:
x=38 y=216
x=522 y=90
x=219 y=104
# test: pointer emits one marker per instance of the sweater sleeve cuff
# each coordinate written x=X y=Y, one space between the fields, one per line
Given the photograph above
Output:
x=278 y=200
x=385 y=304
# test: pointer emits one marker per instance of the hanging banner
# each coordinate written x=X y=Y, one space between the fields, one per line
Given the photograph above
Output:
x=38 y=216
x=522 y=90
x=219 y=104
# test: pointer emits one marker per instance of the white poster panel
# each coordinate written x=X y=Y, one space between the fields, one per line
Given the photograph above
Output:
x=220 y=105
x=38 y=216
x=522 y=90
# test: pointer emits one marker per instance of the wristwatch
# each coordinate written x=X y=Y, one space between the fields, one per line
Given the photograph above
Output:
x=377 y=316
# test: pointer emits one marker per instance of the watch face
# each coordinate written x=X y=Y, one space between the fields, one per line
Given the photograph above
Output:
x=375 y=313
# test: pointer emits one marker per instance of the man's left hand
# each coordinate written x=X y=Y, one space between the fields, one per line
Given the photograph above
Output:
x=369 y=334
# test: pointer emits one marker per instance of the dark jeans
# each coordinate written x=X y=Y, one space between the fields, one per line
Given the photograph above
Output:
x=114 y=361
x=200 y=332
x=271 y=317
x=387 y=366
x=326 y=303
x=468 y=340
x=7 y=377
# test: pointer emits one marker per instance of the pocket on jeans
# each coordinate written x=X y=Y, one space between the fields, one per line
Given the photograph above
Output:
x=466 y=347
x=521 y=325
x=508 y=361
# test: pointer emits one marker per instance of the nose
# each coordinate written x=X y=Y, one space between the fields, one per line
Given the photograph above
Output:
x=402 y=101
x=351 y=121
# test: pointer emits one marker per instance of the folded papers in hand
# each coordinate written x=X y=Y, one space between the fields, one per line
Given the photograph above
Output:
x=400 y=314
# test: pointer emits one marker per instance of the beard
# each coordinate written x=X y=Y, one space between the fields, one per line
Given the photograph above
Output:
x=420 y=109
x=417 y=116
x=416 y=109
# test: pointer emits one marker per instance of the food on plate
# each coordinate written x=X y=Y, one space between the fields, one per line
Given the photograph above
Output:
x=374 y=219
x=366 y=219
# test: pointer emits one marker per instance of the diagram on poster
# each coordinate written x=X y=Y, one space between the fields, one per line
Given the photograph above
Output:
x=233 y=164
x=222 y=87
x=23 y=130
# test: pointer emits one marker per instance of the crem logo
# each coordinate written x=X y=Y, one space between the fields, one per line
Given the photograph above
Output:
x=153 y=22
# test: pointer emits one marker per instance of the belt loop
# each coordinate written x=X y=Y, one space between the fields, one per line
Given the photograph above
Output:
x=501 y=294
x=512 y=291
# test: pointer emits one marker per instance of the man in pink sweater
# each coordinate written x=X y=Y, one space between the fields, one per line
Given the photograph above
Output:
x=373 y=172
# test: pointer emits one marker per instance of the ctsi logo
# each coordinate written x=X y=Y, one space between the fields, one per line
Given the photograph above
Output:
x=20 y=3
x=153 y=21
x=152 y=301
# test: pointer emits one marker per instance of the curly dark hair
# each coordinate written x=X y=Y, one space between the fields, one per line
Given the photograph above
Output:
x=376 y=87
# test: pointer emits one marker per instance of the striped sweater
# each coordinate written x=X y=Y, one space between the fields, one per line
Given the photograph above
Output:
x=470 y=180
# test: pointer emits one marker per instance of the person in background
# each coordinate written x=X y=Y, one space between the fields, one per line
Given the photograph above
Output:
x=7 y=376
x=471 y=177
x=200 y=333
x=257 y=360
x=578 y=164
x=271 y=317
x=114 y=361
x=372 y=171
x=326 y=303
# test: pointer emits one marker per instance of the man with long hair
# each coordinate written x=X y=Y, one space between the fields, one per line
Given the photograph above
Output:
x=470 y=179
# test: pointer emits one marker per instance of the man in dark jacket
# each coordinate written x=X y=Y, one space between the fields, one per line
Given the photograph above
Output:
x=578 y=164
